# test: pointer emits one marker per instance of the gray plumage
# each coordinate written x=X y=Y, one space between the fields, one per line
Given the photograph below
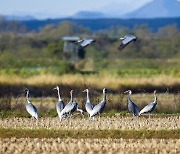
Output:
x=150 y=107
x=85 y=42
x=31 y=109
x=126 y=40
x=60 y=104
x=70 y=108
x=132 y=107
x=99 y=108
x=89 y=106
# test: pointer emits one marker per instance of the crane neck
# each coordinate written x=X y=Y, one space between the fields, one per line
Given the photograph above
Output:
x=88 y=100
x=155 y=98
x=71 y=100
x=104 y=98
x=27 y=95
x=59 y=96
x=129 y=98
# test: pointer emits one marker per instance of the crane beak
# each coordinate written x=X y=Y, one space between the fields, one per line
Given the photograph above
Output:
x=84 y=91
x=55 y=89
x=25 y=90
x=79 y=41
x=126 y=92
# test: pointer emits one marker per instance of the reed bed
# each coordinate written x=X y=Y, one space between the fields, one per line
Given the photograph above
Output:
x=104 y=123
x=95 y=80
x=89 y=146
x=167 y=103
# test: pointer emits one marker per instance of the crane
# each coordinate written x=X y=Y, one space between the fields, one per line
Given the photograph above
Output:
x=126 y=40
x=150 y=107
x=132 y=107
x=31 y=109
x=89 y=106
x=70 y=108
x=60 y=104
x=85 y=42
x=99 y=108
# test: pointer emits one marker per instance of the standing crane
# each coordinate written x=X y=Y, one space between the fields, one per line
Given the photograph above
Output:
x=31 y=109
x=60 y=104
x=132 y=107
x=99 y=108
x=70 y=108
x=150 y=107
x=126 y=40
x=89 y=106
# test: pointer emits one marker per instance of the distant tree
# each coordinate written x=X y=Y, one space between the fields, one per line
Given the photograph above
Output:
x=167 y=32
x=12 y=26
x=143 y=32
x=56 y=48
x=62 y=29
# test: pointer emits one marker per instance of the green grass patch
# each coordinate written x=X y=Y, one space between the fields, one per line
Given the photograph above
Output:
x=115 y=134
x=53 y=113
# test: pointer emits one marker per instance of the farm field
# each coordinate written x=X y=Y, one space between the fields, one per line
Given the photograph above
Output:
x=116 y=131
x=58 y=145
x=37 y=61
x=102 y=123
x=105 y=135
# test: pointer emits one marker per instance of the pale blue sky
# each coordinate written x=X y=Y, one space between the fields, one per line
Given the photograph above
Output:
x=60 y=8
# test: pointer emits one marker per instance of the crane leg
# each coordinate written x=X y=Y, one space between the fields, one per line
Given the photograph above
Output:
x=32 y=119
x=99 y=117
x=133 y=117
x=70 y=115
x=91 y=118
x=37 y=122
x=81 y=111
x=60 y=119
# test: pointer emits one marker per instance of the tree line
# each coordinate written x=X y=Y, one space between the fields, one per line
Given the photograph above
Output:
x=20 y=47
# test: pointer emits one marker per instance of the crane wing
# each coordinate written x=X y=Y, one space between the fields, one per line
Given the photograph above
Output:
x=60 y=106
x=146 y=109
x=89 y=107
x=32 y=110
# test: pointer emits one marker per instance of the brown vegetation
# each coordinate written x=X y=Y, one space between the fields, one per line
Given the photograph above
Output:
x=116 y=102
x=58 y=145
x=105 y=123
x=94 y=81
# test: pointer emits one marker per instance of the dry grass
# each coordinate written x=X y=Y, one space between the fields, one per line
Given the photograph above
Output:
x=109 y=81
x=167 y=103
x=58 y=145
x=105 y=123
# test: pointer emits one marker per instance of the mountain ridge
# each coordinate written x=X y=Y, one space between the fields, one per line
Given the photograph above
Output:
x=157 y=9
x=153 y=9
x=88 y=15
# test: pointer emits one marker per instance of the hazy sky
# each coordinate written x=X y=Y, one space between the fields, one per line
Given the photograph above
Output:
x=60 y=8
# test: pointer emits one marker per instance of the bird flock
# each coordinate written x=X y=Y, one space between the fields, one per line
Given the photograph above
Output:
x=133 y=108
x=66 y=111
x=124 y=41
